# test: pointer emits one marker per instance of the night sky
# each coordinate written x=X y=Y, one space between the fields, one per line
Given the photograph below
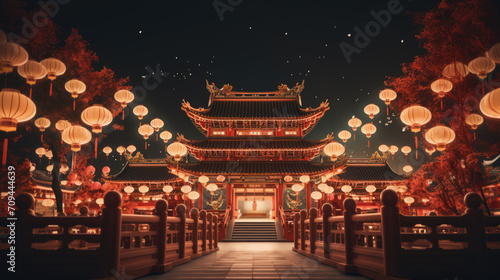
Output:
x=255 y=47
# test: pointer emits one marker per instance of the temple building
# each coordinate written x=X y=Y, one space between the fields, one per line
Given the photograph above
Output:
x=254 y=153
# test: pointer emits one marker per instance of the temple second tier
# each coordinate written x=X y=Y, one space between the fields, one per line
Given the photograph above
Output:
x=248 y=114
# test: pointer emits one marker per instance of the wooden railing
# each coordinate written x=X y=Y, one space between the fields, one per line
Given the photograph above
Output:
x=111 y=245
x=286 y=222
x=390 y=245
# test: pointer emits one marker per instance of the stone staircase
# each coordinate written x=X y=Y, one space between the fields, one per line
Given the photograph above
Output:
x=254 y=231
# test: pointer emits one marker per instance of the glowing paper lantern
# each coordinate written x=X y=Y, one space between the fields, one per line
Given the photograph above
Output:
x=62 y=125
x=177 y=150
x=297 y=188
x=120 y=151
x=409 y=200
x=387 y=95
x=407 y=168
x=415 y=117
x=99 y=201
x=490 y=104
x=406 y=150
x=393 y=149
x=221 y=178
x=76 y=136
x=168 y=189
x=333 y=150
x=96 y=116
x=32 y=71
x=95 y=186
x=42 y=124
x=75 y=87
x=107 y=150
x=146 y=130
x=186 y=189
x=193 y=195
x=14 y=108
x=354 y=123
x=329 y=190
x=430 y=151
x=48 y=202
x=440 y=136
x=371 y=110
x=344 y=135
x=64 y=168
x=131 y=149
x=383 y=148
x=346 y=188
x=212 y=188
x=305 y=179
x=203 y=179
x=49 y=168
x=12 y=55
x=368 y=129
x=322 y=187
x=143 y=189
x=49 y=154
x=165 y=136
x=106 y=170
x=55 y=68
x=128 y=190
x=288 y=178
x=456 y=70
x=473 y=120
x=140 y=111
x=124 y=97
x=157 y=124
x=441 y=87
x=40 y=152
x=481 y=66
x=316 y=195
x=370 y=189
x=494 y=53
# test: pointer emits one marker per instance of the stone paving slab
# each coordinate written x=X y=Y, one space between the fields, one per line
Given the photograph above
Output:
x=253 y=260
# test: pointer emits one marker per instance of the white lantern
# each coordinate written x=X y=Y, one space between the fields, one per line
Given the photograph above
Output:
x=322 y=187
x=409 y=200
x=297 y=188
x=305 y=179
x=128 y=189
x=143 y=189
x=168 y=189
x=346 y=188
x=370 y=189
x=203 y=179
x=212 y=188
x=288 y=178
x=186 y=189
x=193 y=195
x=316 y=195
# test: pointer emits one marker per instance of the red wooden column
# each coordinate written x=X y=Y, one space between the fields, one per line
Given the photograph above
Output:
x=308 y=196
x=279 y=194
x=229 y=196
x=200 y=200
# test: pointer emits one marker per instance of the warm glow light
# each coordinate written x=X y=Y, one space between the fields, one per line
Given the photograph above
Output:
x=140 y=111
x=415 y=117
x=409 y=200
x=333 y=150
x=203 y=179
x=371 y=189
x=305 y=179
x=490 y=104
x=107 y=150
x=344 y=135
x=99 y=201
x=48 y=202
x=157 y=124
x=316 y=195
x=371 y=110
x=440 y=136
x=407 y=168
x=288 y=178
x=124 y=97
x=120 y=150
x=383 y=148
x=406 y=150
x=76 y=136
x=221 y=178
x=354 y=123
x=387 y=95
x=193 y=195
x=212 y=187
x=14 y=108
x=96 y=116
x=168 y=189
x=346 y=188
x=143 y=189
x=165 y=136
x=328 y=190
x=186 y=189
x=177 y=150
x=393 y=149
x=128 y=189
x=297 y=187
x=322 y=187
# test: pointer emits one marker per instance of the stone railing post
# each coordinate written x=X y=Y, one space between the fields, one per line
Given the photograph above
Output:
x=391 y=239
x=209 y=230
x=327 y=229
x=195 y=216
x=84 y=212
x=303 y=216
x=216 y=231
x=296 y=221
x=313 y=214
x=181 y=213
x=203 y=218
x=349 y=211
x=161 y=208
x=25 y=203
x=111 y=231
x=476 y=232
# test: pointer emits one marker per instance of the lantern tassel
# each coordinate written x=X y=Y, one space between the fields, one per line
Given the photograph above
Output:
x=387 y=110
x=145 y=145
x=123 y=115
x=74 y=161
x=106 y=157
x=354 y=136
x=31 y=91
x=474 y=135
x=416 y=142
x=5 y=144
x=95 y=148
x=50 y=88
x=368 y=143
x=41 y=137
x=441 y=104
x=74 y=105
x=156 y=136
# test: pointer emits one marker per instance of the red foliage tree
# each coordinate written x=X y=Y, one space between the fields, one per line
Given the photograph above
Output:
x=101 y=84
x=453 y=31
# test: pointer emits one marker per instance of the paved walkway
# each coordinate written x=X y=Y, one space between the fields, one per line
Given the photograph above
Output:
x=253 y=260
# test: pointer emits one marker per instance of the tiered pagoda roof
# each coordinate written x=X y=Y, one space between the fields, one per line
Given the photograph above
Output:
x=369 y=171
x=148 y=171
x=276 y=109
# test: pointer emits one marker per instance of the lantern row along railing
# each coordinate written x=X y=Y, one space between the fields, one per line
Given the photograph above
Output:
x=110 y=245
x=389 y=245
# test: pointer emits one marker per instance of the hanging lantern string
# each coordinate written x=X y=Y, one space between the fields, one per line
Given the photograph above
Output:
x=4 y=154
x=123 y=114
x=95 y=147
x=31 y=90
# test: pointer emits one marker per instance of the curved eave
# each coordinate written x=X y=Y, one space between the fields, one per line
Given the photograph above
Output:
x=145 y=168
x=316 y=145
x=314 y=115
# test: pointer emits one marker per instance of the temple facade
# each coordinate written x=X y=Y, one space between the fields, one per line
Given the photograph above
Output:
x=254 y=151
